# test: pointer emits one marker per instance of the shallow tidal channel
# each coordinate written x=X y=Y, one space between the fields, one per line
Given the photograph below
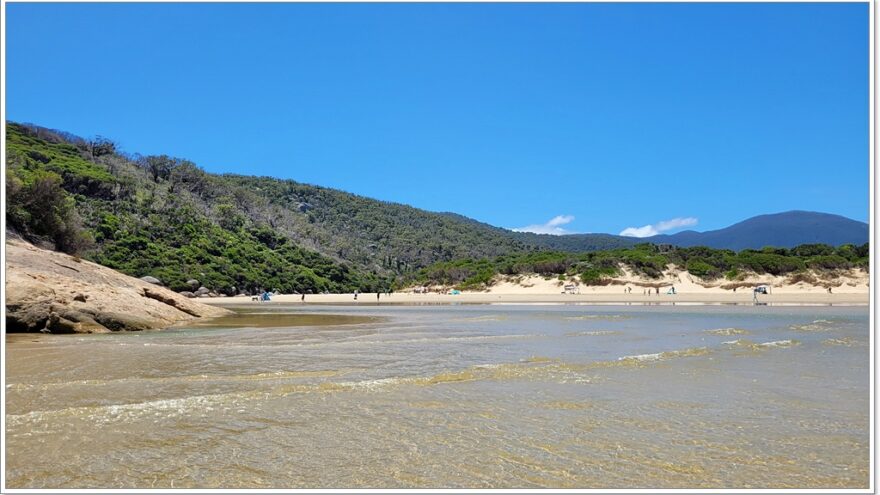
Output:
x=471 y=396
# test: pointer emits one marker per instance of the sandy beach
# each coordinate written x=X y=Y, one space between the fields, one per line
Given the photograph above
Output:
x=848 y=288
x=740 y=297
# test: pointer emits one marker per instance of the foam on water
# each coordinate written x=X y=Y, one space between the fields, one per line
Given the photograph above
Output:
x=593 y=333
x=819 y=325
x=263 y=376
x=728 y=331
x=658 y=356
x=844 y=341
x=748 y=344
x=596 y=317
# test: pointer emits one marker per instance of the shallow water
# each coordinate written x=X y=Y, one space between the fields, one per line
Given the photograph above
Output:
x=450 y=396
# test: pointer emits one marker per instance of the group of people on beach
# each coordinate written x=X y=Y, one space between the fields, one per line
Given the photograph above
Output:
x=388 y=292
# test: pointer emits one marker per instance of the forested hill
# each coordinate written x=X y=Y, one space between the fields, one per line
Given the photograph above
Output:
x=165 y=217
x=373 y=234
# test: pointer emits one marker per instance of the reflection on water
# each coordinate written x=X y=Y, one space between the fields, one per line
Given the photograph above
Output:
x=433 y=397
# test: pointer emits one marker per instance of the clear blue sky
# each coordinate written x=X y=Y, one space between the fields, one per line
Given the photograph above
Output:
x=620 y=115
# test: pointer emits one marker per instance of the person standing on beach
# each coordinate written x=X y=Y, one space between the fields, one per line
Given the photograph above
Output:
x=377 y=296
x=355 y=295
x=303 y=298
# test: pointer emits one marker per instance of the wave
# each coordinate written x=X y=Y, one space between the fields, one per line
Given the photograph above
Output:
x=815 y=326
x=844 y=341
x=597 y=317
x=242 y=400
x=659 y=356
x=270 y=375
x=533 y=368
x=171 y=407
x=728 y=331
x=593 y=333
x=351 y=342
x=748 y=344
x=482 y=318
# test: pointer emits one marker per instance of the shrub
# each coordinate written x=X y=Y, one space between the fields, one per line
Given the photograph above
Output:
x=829 y=262
x=700 y=268
x=764 y=262
x=595 y=275
x=41 y=210
x=807 y=250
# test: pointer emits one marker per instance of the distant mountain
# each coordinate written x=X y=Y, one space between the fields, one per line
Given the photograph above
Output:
x=786 y=230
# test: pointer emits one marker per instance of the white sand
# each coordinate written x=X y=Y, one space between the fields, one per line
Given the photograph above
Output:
x=848 y=288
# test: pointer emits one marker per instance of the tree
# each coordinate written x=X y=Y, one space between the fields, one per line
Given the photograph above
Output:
x=101 y=146
x=159 y=166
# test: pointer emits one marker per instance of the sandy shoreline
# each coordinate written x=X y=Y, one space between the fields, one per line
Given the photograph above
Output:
x=742 y=297
x=848 y=288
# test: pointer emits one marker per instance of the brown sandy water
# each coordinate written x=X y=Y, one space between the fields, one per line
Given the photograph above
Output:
x=454 y=396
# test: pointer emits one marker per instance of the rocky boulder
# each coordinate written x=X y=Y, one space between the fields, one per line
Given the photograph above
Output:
x=151 y=280
x=48 y=291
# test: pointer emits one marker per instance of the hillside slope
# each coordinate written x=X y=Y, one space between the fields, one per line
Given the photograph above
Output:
x=165 y=217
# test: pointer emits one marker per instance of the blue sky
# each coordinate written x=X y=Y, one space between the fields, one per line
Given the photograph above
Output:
x=563 y=117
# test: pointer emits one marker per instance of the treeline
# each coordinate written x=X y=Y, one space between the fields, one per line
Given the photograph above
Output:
x=157 y=216
x=647 y=260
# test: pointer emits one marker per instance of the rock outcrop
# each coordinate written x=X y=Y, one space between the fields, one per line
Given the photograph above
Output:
x=48 y=291
x=151 y=280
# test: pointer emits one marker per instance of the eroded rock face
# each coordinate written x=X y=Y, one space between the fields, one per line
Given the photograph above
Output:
x=47 y=291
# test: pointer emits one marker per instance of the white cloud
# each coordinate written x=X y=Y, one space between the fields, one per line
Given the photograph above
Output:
x=551 y=227
x=659 y=227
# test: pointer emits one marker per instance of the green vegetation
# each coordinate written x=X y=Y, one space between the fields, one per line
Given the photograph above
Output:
x=39 y=208
x=165 y=217
x=648 y=260
x=149 y=217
